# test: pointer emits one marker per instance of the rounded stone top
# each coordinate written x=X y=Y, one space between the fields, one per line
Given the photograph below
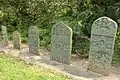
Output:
x=61 y=25
x=105 y=21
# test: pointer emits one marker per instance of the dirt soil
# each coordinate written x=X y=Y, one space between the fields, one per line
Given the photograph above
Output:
x=77 y=70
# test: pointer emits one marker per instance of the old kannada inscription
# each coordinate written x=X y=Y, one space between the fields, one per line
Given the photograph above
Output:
x=17 y=40
x=61 y=41
x=33 y=40
x=4 y=36
x=102 y=45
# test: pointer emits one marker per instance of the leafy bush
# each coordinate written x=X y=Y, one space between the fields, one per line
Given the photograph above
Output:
x=116 y=56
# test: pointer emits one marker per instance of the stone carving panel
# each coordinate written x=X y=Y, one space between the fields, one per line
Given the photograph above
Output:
x=33 y=40
x=4 y=36
x=17 y=40
x=102 y=45
x=61 y=41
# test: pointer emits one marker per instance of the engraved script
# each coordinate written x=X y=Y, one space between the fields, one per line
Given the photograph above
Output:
x=61 y=43
x=102 y=45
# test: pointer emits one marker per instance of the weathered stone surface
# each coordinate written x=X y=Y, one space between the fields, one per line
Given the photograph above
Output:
x=0 y=38
x=61 y=41
x=102 y=45
x=4 y=36
x=17 y=40
x=33 y=40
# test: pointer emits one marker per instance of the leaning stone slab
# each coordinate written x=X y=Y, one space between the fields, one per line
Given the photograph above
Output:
x=33 y=38
x=61 y=41
x=4 y=36
x=17 y=40
x=102 y=45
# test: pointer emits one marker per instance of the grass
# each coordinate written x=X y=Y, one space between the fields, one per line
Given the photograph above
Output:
x=14 y=69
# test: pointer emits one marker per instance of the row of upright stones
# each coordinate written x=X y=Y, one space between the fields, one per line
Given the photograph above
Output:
x=101 y=49
x=33 y=39
x=103 y=35
x=16 y=38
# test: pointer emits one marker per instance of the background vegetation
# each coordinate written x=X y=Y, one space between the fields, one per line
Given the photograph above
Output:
x=78 y=14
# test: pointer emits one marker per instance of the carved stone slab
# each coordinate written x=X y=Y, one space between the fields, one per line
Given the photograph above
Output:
x=4 y=36
x=17 y=40
x=0 y=38
x=102 y=45
x=33 y=38
x=61 y=43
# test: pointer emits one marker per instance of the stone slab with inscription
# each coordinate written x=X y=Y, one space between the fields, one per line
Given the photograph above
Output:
x=61 y=41
x=102 y=45
x=0 y=38
x=33 y=38
x=17 y=40
x=4 y=36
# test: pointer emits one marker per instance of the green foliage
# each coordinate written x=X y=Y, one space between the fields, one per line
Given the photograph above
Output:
x=116 y=56
x=81 y=46
x=20 y=14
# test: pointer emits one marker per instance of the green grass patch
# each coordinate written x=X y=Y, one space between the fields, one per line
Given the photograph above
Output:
x=14 y=69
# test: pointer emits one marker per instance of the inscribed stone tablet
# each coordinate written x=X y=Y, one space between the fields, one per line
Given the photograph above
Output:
x=61 y=43
x=17 y=40
x=0 y=38
x=102 y=45
x=33 y=40
x=4 y=36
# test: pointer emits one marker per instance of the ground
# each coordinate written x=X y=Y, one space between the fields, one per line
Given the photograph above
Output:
x=77 y=70
x=14 y=69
